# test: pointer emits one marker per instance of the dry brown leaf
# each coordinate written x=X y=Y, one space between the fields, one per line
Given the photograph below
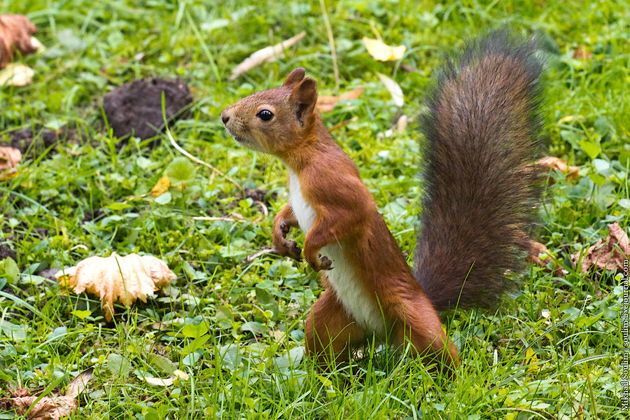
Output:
x=266 y=54
x=540 y=255
x=608 y=254
x=327 y=103
x=383 y=52
x=581 y=53
x=536 y=249
x=557 y=164
x=48 y=408
x=78 y=384
x=16 y=33
x=343 y=124
x=117 y=279
x=52 y=407
x=16 y=74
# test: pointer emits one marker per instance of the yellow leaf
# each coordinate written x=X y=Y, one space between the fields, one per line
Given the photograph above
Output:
x=162 y=186
x=531 y=360
x=117 y=279
x=383 y=52
x=570 y=118
x=16 y=75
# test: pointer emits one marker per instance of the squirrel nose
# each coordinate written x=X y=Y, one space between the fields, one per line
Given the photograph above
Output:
x=225 y=117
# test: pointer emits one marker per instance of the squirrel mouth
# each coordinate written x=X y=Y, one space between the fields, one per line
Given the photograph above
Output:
x=236 y=137
x=240 y=139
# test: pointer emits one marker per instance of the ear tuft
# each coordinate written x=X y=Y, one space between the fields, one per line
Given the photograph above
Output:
x=296 y=76
x=306 y=92
x=304 y=96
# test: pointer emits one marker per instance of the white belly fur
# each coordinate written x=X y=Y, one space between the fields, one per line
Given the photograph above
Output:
x=342 y=277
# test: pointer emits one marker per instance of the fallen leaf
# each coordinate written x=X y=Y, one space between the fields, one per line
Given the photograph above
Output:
x=39 y=47
x=161 y=186
x=531 y=360
x=402 y=123
x=408 y=68
x=540 y=255
x=117 y=279
x=160 y=381
x=264 y=55
x=78 y=384
x=608 y=254
x=383 y=52
x=393 y=88
x=327 y=103
x=399 y=127
x=343 y=124
x=16 y=33
x=52 y=407
x=536 y=249
x=581 y=53
x=177 y=374
x=16 y=75
x=570 y=118
x=9 y=158
x=557 y=164
x=278 y=335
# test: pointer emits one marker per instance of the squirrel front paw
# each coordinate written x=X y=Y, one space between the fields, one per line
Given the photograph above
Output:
x=284 y=228
x=288 y=248
x=321 y=263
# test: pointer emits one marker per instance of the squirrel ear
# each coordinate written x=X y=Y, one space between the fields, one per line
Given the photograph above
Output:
x=296 y=76
x=304 y=96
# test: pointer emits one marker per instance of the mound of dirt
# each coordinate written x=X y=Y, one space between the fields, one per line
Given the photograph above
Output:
x=135 y=108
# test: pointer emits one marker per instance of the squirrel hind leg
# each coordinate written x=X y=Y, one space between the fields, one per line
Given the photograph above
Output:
x=331 y=334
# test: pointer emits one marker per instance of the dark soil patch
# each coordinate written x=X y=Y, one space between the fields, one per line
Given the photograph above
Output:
x=260 y=195
x=6 y=252
x=135 y=108
x=39 y=140
x=89 y=214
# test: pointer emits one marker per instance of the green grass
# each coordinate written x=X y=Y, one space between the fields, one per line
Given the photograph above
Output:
x=237 y=328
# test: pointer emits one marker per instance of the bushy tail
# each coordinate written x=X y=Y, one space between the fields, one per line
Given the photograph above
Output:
x=481 y=194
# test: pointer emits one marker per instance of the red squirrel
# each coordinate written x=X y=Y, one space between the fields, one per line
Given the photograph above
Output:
x=481 y=131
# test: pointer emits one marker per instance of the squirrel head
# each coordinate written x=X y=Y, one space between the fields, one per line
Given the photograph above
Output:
x=275 y=120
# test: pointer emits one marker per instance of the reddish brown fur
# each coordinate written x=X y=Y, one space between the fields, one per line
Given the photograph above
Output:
x=15 y=34
x=481 y=132
x=345 y=214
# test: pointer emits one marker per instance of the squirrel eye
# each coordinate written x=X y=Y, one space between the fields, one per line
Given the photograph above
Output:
x=265 y=115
